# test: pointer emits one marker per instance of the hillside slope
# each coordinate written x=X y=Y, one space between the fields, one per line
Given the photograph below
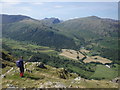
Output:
x=37 y=32
x=49 y=56
x=38 y=75
x=99 y=35
x=12 y=18
x=95 y=25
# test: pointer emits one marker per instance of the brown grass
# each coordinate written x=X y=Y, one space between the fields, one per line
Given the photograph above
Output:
x=97 y=59
x=84 y=51
x=72 y=54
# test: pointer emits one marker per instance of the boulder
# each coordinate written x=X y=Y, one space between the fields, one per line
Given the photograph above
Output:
x=116 y=80
x=41 y=65
x=3 y=76
x=59 y=85
x=77 y=79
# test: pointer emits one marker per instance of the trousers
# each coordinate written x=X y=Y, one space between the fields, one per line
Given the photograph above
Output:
x=21 y=71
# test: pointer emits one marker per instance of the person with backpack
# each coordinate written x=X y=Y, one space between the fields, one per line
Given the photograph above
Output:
x=20 y=64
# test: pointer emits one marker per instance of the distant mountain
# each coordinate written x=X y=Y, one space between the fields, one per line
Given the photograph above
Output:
x=94 y=33
x=93 y=25
x=51 y=21
x=38 y=32
x=12 y=18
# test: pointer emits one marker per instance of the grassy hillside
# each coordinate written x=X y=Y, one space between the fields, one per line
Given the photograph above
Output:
x=12 y=18
x=95 y=25
x=26 y=46
x=104 y=72
x=48 y=58
x=38 y=42
x=57 y=71
x=107 y=48
x=37 y=32
x=48 y=77
x=17 y=48
x=99 y=35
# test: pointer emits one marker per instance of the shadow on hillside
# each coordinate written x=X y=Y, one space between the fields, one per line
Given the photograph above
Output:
x=34 y=78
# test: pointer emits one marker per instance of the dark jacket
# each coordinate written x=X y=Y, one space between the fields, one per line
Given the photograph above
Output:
x=21 y=63
x=21 y=66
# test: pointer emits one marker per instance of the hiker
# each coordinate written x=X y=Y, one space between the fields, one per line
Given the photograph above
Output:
x=20 y=64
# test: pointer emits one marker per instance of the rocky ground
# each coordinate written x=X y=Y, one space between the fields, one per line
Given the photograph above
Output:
x=38 y=75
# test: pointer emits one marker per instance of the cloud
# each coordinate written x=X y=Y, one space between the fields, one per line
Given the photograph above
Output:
x=11 y=1
x=37 y=3
x=58 y=6
x=27 y=9
x=70 y=0
x=14 y=7
x=74 y=17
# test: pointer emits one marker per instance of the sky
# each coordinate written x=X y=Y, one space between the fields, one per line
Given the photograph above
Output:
x=61 y=10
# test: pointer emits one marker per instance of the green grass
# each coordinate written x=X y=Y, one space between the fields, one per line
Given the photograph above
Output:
x=34 y=79
x=107 y=48
x=104 y=72
x=4 y=70
x=109 y=42
x=26 y=47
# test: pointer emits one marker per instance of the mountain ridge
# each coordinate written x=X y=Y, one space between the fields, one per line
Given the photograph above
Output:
x=13 y=18
x=72 y=34
x=94 y=17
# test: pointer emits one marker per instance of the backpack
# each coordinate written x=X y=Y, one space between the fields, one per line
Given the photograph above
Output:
x=18 y=63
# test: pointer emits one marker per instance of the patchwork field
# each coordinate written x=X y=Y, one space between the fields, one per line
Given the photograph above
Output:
x=75 y=55
x=72 y=54
x=84 y=51
x=97 y=59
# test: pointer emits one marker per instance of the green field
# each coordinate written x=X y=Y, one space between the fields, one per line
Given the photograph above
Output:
x=18 y=48
x=25 y=46
x=104 y=72
x=108 y=42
